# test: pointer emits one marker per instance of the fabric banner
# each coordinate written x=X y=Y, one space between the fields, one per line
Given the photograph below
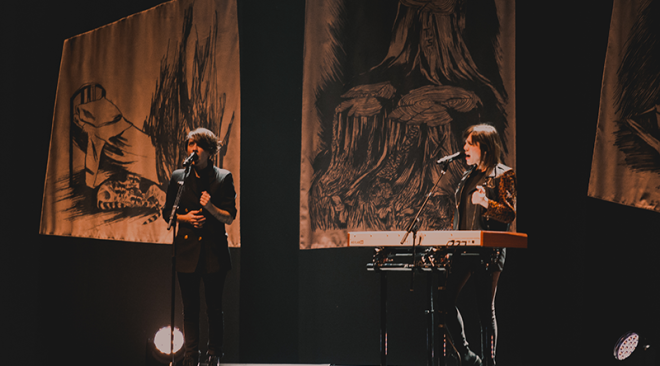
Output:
x=127 y=95
x=388 y=88
x=626 y=161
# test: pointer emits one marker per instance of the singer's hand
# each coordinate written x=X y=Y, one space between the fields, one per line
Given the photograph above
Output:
x=194 y=218
x=479 y=197
x=205 y=200
x=221 y=215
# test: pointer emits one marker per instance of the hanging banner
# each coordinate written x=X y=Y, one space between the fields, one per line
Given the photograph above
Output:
x=127 y=95
x=388 y=88
x=626 y=160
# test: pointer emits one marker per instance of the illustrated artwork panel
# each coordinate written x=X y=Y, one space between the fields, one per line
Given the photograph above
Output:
x=128 y=94
x=626 y=160
x=388 y=89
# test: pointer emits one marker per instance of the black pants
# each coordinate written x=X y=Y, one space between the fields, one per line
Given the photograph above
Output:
x=463 y=268
x=214 y=283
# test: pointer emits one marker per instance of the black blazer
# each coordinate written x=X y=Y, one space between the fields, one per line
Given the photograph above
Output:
x=208 y=244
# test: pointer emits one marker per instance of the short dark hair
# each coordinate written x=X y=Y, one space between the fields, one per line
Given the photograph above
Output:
x=205 y=139
x=489 y=143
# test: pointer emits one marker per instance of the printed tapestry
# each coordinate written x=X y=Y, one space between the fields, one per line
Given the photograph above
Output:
x=127 y=95
x=626 y=160
x=388 y=88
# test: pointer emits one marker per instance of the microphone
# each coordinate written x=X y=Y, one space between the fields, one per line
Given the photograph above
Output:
x=190 y=159
x=449 y=158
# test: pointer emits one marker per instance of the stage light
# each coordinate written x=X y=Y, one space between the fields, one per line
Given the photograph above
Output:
x=632 y=345
x=626 y=345
x=163 y=340
x=158 y=347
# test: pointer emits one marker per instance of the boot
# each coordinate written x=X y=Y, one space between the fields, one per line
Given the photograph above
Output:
x=469 y=358
x=191 y=359
x=213 y=359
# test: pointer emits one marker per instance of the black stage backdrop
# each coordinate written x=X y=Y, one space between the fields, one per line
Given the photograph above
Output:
x=585 y=278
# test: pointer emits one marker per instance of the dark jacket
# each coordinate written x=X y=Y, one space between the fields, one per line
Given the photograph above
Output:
x=500 y=186
x=210 y=242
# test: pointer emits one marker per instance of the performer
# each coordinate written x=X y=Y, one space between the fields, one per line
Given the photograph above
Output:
x=207 y=204
x=485 y=200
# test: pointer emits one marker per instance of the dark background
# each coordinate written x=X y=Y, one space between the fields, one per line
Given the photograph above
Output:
x=587 y=276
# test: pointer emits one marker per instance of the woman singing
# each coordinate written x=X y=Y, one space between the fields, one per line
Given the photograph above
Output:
x=485 y=200
x=208 y=203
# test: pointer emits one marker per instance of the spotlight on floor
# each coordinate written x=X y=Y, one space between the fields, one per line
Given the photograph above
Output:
x=158 y=347
x=631 y=346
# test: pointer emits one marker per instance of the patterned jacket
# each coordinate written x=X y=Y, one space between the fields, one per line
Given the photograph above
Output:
x=500 y=186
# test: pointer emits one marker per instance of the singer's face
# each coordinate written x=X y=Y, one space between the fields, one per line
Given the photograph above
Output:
x=203 y=155
x=472 y=151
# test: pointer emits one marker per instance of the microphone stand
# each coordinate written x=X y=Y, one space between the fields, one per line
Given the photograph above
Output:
x=170 y=224
x=412 y=227
x=416 y=223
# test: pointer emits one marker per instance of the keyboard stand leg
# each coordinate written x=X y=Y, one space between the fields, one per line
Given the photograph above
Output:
x=440 y=325
x=436 y=334
x=383 y=318
x=431 y=332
